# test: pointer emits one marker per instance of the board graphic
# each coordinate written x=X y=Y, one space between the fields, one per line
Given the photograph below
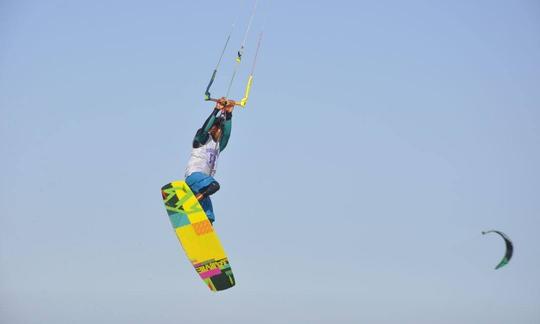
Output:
x=197 y=236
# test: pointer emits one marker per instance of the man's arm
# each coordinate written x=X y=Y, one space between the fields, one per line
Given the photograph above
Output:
x=201 y=136
x=227 y=127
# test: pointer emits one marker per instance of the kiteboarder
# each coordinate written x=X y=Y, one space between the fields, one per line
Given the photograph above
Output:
x=210 y=140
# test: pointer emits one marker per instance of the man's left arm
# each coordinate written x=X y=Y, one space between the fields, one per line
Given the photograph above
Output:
x=227 y=126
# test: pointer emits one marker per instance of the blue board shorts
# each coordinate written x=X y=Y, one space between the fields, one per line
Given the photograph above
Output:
x=197 y=181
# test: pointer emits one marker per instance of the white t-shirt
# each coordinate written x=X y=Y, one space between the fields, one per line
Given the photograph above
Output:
x=204 y=158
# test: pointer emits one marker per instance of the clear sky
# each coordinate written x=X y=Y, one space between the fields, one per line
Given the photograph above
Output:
x=380 y=139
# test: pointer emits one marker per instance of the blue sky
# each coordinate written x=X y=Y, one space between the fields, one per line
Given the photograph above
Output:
x=380 y=139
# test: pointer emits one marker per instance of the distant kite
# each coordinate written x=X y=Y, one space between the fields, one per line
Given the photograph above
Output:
x=509 y=248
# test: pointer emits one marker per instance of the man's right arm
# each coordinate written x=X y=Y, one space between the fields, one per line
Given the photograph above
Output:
x=201 y=136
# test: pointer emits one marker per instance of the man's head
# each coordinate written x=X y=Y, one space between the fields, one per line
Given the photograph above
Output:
x=216 y=129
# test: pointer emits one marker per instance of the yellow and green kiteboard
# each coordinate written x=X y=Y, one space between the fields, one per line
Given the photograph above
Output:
x=197 y=236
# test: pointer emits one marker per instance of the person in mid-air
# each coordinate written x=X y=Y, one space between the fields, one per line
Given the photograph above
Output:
x=210 y=140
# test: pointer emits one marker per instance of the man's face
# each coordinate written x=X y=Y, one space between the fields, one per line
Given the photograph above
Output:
x=215 y=132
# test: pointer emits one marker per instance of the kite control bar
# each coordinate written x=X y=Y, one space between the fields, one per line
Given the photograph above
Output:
x=227 y=102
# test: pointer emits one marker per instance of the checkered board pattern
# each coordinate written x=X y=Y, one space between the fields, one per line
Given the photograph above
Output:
x=197 y=236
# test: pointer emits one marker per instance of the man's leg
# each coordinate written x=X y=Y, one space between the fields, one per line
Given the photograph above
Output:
x=206 y=204
x=207 y=191
x=203 y=186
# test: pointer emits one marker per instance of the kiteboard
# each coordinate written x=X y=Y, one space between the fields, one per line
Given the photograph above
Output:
x=197 y=236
